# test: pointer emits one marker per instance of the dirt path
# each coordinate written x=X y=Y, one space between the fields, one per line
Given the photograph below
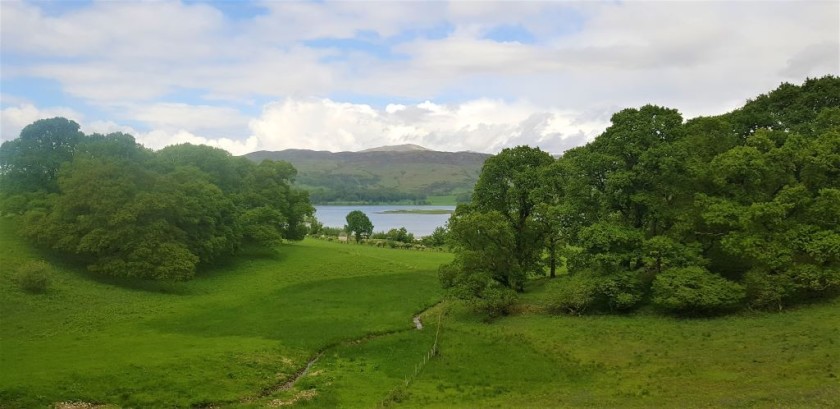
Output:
x=289 y=384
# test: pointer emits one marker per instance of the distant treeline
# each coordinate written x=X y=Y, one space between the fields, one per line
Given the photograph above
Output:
x=325 y=188
x=364 y=195
x=381 y=177
x=693 y=217
x=128 y=211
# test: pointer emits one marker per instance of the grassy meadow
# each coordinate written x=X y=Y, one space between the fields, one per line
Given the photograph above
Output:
x=238 y=332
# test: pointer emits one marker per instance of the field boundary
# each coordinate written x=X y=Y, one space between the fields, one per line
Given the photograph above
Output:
x=395 y=393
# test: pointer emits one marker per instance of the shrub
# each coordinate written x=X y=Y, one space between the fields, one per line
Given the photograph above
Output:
x=799 y=283
x=767 y=291
x=34 y=277
x=694 y=290
x=495 y=300
x=621 y=292
x=572 y=295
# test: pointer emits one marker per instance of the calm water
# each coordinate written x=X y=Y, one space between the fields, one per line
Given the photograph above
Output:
x=419 y=224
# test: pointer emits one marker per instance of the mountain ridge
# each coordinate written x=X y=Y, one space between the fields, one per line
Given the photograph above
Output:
x=408 y=147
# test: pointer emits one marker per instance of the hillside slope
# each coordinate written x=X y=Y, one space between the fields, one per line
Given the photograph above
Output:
x=380 y=175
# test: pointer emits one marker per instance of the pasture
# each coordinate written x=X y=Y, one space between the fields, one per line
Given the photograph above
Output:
x=235 y=336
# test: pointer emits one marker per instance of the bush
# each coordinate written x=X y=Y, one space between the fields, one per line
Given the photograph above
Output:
x=797 y=284
x=573 y=295
x=495 y=300
x=34 y=277
x=621 y=292
x=694 y=290
x=767 y=291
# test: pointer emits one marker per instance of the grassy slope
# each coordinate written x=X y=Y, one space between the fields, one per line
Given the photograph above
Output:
x=227 y=335
x=251 y=324
x=780 y=360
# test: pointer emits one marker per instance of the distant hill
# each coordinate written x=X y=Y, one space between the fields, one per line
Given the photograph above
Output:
x=403 y=173
x=397 y=148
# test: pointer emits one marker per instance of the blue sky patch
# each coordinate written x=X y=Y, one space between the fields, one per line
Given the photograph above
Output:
x=510 y=33
x=237 y=10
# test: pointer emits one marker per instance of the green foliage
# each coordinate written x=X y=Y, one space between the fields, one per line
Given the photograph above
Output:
x=621 y=292
x=496 y=237
x=129 y=212
x=438 y=237
x=34 y=277
x=751 y=195
x=587 y=292
x=494 y=300
x=507 y=186
x=477 y=288
x=31 y=162
x=485 y=247
x=608 y=248
x=331 y=231
x=572 y=294
x=799 y=283
x=359 y=225
x=399 y=235
x=694 y=290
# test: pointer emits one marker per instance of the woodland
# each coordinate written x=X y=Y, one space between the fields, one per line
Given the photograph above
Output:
x=694 y=217
x=127 y=211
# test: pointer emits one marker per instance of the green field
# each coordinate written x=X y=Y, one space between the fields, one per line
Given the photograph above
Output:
x=448 y=200
x=238 y=332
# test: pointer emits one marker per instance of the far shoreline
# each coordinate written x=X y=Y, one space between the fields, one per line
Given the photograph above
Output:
x=417 y=211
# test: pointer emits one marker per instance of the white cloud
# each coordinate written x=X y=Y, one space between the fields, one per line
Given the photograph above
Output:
x=202 y=118
x=161 y=138
x=158 y=139
x=481 y=125
x=587 y=60
x=14 y=118
x=130 y=31
x=292 y=21
x=701 y=57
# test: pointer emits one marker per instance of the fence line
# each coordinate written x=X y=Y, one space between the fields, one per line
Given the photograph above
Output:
x=418 y=368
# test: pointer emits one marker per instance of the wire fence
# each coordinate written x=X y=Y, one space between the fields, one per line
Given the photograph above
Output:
x=398 y=393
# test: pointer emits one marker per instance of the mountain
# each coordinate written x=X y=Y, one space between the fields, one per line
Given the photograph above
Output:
x=404 y=173
x=397 y=148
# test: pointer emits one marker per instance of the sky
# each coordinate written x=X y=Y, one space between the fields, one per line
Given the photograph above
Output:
x=346 y=76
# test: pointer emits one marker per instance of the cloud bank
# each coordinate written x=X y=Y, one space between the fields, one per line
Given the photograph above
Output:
x=348 y=75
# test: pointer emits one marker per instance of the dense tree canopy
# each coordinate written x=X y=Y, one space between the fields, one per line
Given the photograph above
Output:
x=697 y=216
x=128 y=211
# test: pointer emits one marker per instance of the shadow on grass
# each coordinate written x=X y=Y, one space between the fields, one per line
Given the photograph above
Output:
x=312 y=314
x=77 y=265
